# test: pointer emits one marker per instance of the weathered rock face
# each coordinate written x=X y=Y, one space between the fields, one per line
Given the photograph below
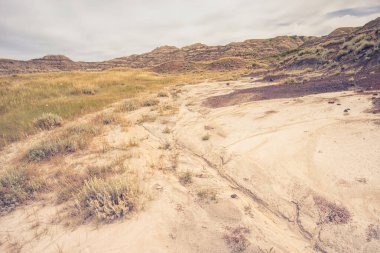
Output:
x=171 y=58
x=344 y=45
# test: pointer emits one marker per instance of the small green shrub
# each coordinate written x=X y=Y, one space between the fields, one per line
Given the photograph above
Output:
x=17 y=186
x=108 y=200
x=48 y=121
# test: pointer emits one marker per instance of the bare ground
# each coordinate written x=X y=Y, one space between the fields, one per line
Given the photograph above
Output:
x=294 y=174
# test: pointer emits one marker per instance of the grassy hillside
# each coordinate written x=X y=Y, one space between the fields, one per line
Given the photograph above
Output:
x=24 y=98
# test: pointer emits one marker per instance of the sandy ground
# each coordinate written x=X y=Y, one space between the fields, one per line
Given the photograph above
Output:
x=299 y=174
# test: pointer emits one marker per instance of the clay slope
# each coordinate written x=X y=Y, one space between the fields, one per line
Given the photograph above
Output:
x=175 y=59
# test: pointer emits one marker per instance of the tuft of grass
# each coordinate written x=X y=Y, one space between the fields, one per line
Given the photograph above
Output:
x=166 y=130
x=129 y=106
x=331 y=212
x=186 y=178
x=206 y=137
x=162 y=94
x=107 y=118
x=146 y=118
x=70 y=140
x=17 y=186
x=108 y=200
x=207 y=195
x=48 y=121
x=150 y=102
x=236 y=239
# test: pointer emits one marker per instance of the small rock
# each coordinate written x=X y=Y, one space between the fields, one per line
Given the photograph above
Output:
x=331 y=102
x=234 y=196
x=346 y=110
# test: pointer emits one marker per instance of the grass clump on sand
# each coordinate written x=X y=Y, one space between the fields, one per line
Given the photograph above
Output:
x=108 y=200
x=150 y=102
x=17 y=186
x=129 y=106
x=186 y=178
x=206 y=137
x=70 y=140
x=48 y=121
x=107 y=118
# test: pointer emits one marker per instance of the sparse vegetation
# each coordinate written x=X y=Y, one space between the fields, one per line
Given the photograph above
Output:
x=166 y=130
x=162 y=94
x=25 y=97
x=17 y=186
x=147 y=118
x=150 y=102
x=206 y=137
x=186 y=178
x=129 y=105
x=48 y=121
x=207 y=195
x=108 y=200
x=70 y=140
x=331 y=212
x=236 y=239
x=107 y=118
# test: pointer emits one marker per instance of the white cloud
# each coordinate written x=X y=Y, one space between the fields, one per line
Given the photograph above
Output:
x=100 y=30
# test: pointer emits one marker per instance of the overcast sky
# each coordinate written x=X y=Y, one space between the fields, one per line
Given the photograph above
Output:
x=104 y=29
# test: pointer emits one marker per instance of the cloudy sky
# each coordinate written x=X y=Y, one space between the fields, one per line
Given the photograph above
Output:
x=103 y=29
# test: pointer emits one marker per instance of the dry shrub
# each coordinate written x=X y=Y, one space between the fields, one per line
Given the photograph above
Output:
x=48 y=121
x=108 y=200
x=166 y=130
x=162 y=94
x=236 y=239
x=186 y=178
x=17 y=186
x=207 y=195
x=70 y=140
x=372 y=232
x=107 y=118
x=129 y=105
x=331 y=212
x=166 y=109
x=206 y=137
x=146 y=118
x=70 y=180
x=150 y=102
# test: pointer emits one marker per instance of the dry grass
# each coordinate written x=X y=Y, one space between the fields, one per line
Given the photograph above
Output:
x=17 y=186
x=331 y=212
x=70 y=140
x=150 y=102
x=48 y=121
x=206 y=137
x=107 y=118
x=207 y=195
x=108 y=200
x=162 y=94
x=166 y=130
x=146 y=118
x=236 y=239
x=129 y=105
x=186 y=178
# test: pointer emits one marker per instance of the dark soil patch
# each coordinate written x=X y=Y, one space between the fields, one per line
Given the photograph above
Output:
x=325 y=84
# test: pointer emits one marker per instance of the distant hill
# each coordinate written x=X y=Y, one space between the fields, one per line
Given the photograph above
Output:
x=344 y=46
